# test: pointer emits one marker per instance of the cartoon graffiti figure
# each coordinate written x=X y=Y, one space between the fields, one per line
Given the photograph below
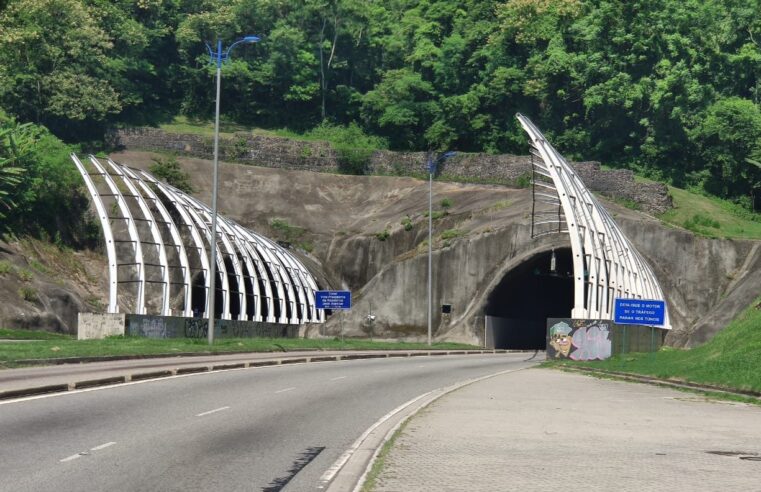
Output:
x=560 y=338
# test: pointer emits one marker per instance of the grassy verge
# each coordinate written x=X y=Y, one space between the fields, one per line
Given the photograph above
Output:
x=10 y=353
x=711 y=217
x=731 y=359
x=380 y=460
x=9 y=334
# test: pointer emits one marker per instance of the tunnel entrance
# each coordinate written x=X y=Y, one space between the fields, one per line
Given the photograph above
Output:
x=518 y=307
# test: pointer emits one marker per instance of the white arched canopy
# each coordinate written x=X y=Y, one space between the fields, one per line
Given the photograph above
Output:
x=605 y=264
x=157 y=242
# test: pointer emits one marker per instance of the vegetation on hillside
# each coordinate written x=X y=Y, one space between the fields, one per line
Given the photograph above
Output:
x=670 y=88
x=42 y=195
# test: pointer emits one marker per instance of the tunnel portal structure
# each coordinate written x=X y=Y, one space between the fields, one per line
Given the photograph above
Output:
x=605 y=264
x=157 y=240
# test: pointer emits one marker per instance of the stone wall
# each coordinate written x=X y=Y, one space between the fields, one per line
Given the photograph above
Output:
x=284 y=153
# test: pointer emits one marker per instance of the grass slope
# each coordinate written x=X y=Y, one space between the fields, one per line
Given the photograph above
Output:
x=731 y=359
x=711 y=217
x=65 y=346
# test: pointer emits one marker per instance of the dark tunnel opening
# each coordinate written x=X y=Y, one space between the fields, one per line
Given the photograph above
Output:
x=518 y=307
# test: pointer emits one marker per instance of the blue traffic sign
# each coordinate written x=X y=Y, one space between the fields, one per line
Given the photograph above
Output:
x=647 y=312
x=333 y=299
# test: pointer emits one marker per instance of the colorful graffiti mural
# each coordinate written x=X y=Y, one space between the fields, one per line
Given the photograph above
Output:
x=578 y=339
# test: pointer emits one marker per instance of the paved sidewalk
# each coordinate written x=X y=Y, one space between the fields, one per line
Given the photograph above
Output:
x=541 y=429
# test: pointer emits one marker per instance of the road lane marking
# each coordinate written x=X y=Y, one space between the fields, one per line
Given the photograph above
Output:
x=72 y=457
x=103 y=446
x=220 y=409
x=339 y=377
x=284 y=390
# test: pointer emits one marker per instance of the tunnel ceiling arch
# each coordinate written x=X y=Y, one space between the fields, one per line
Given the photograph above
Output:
x=157 y=240
x=605 y=264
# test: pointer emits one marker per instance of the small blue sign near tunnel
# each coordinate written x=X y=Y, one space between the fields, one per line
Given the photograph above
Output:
x=333 y=299
x=648 y=312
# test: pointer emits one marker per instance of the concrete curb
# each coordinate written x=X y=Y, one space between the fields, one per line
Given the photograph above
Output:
x=128 y=376
x=351 y=474
x=665 y=382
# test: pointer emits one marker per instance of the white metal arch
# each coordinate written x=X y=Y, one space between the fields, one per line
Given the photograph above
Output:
x=158 y=242
x=139 y=262
x=182 y=254
x=605 y=263
x=113 y=271
x=198 y=245
x=265 y=273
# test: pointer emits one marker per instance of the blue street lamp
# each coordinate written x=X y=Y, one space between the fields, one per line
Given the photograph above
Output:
x=432 y=165
x=217 y=58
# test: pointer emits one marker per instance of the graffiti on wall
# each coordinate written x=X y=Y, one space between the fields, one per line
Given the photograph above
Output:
x=151 y=327
x=141 y=325
x=579 y=339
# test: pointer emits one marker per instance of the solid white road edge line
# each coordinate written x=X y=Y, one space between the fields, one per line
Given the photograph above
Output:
x=212 y=411
x=341 y=461
x=72 y=457
x=339 y=377
x=443 y=391
x=284 y=390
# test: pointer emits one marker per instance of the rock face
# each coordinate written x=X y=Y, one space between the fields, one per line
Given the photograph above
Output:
x=368 y=235
x=44 y=288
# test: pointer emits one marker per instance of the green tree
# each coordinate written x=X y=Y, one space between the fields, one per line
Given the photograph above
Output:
x=729 y=135
x=52 y=59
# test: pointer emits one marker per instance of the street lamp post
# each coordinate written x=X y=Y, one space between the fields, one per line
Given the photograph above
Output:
x=217 y=58
x=432 y=165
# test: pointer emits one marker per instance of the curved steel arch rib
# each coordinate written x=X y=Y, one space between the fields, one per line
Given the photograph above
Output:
x=605 y=264
x=272 y=285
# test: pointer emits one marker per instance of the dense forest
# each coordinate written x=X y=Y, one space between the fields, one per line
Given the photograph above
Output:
x=670 y=88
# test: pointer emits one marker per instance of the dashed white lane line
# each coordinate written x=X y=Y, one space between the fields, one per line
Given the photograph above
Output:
x=339 y=377
x=85 y=453
x=220 y=409
x=284 y=390
x=102 y=446
x=72 y=457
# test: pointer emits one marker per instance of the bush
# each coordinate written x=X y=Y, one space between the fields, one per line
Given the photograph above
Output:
x=697 y=221
x=28 y=294
x=353 y=147
x=383 y=235
x=169 y=170
x=407 y=223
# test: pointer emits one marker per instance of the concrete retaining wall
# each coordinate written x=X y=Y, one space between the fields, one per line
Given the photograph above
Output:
x=93 y=325
x=176 y=327
x=284 y=153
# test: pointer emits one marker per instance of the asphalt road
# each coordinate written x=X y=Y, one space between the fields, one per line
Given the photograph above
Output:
x=262 y=429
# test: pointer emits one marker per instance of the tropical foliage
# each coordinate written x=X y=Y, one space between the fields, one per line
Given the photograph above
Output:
x=670 y=88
